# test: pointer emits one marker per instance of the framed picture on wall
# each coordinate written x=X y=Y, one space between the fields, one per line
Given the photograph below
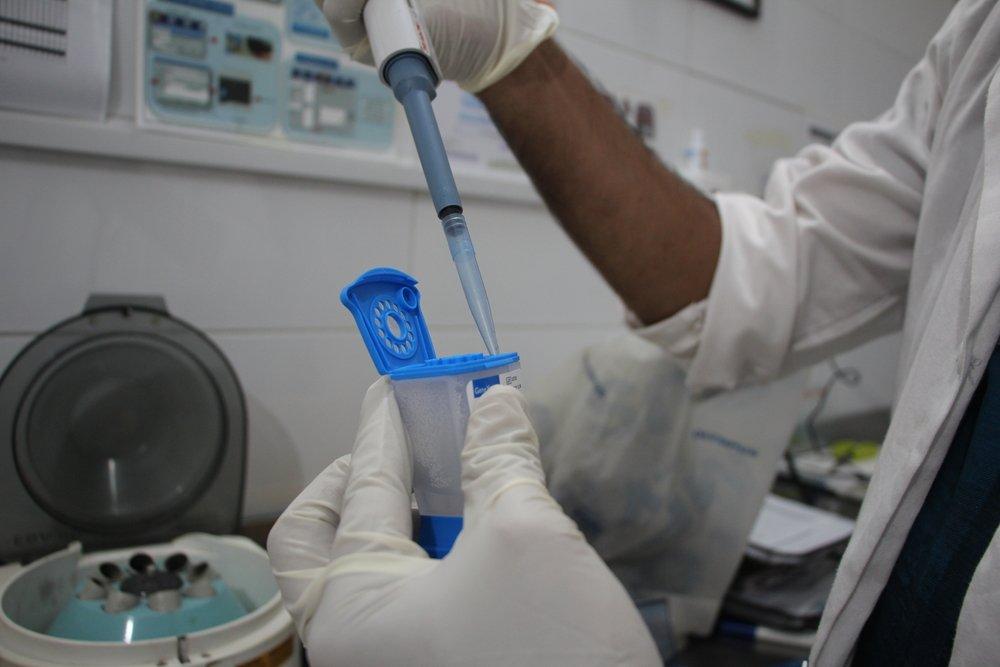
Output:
x=749 y=8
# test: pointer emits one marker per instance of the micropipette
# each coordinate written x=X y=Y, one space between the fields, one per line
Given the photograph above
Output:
x=407 y=64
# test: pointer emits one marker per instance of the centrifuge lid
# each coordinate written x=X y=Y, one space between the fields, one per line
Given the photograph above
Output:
x=118 y=422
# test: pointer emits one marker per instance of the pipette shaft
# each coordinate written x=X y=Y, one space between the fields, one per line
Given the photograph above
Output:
x=412 y=79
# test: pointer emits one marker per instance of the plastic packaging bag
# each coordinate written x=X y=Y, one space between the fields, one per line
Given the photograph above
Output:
x=665 y=485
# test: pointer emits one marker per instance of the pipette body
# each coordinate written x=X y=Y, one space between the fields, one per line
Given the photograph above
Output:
x=408 y=66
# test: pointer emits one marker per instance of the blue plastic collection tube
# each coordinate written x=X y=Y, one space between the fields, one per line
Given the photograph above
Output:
x=413 y=83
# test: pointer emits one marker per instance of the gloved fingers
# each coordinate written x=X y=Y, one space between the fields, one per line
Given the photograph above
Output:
x=303 y=534
x=528 y=23
x=345 y=17
x=501 y=449
x=300 y=541
x=376 y=515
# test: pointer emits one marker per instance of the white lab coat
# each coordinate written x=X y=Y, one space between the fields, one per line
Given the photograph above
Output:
x=896 y=225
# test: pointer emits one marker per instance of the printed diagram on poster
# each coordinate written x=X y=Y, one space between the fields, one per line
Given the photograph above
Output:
x=345 y=106
x=267 y=68
x=209 y=67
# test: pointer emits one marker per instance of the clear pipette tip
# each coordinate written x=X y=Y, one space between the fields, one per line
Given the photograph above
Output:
x=460 y=243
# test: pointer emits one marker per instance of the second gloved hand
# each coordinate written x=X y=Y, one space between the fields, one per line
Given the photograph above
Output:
x=477 y=42
x=520 y=587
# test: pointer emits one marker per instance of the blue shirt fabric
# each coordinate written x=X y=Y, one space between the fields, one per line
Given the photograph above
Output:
x=915 y=618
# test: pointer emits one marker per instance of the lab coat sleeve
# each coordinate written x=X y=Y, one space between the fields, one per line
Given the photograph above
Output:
x=821 y=262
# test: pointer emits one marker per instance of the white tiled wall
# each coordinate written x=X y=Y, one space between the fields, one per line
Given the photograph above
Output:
x=229 y=250
x=259 y=261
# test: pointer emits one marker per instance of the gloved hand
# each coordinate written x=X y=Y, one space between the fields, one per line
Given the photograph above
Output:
x=477 y=42
x=520 y=586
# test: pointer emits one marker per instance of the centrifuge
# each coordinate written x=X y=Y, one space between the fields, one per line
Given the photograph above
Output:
x=123 y=433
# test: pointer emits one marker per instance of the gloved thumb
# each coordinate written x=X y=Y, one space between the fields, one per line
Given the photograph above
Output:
x=501 y=450
x=376 y=514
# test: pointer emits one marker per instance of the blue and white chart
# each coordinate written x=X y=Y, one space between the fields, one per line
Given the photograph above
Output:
x=260 y=67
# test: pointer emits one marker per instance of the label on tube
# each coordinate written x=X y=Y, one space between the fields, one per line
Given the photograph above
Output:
x=476 y=388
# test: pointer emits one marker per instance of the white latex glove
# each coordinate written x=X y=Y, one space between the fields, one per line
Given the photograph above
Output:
x=521 y=585
x=477 y=42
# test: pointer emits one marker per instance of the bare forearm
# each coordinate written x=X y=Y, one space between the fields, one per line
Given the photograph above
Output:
x=652 y=236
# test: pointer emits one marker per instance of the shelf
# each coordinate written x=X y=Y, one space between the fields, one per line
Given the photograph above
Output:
x=121 y=138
